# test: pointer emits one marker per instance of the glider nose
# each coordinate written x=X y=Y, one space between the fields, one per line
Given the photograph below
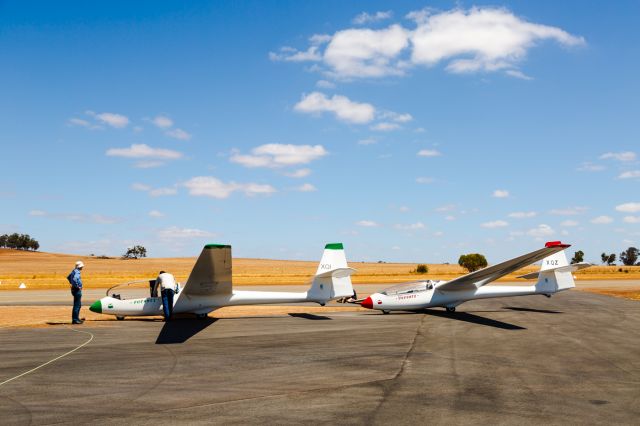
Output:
x=367 y=303
x=96 y=307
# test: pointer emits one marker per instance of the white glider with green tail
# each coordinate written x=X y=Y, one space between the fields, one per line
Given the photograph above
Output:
x=555 y=275
x=209 y=287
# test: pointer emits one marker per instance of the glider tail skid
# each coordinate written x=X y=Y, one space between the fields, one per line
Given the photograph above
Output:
x=333 y=277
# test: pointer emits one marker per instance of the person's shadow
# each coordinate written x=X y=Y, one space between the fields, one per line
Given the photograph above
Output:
x=181 y=330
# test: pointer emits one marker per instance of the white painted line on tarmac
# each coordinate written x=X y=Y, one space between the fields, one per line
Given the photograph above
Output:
x=55 y=359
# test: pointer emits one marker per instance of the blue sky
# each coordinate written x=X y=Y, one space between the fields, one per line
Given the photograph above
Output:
x=410 y=131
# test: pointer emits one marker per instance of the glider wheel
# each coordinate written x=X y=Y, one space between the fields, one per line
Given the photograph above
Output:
x=119 y=318
x=201 y=316
x=385 y=312
x=451 y=309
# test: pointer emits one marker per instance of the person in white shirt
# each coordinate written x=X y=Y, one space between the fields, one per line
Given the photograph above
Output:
x=167 y=284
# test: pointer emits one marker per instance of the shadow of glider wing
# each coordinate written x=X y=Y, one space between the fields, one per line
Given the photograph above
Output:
x=477 y=279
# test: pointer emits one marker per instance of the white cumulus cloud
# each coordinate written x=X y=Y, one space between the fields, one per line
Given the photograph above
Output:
x=307 y=187
x=367 y=141
x=144 y=151
x=162 y=121
x=429 y=153
x=541 y=231
x=625 y=156
x=365 y=18
x=140 y=187
x=394 y=116
x=112 y=119
x=602 y=220
x=162 y=192
x=368 y=223
x=590 y=167
x=154 y=192
x=300 y=173
x=410 y=227
x=495 y=224
x=208 y=186
x=83 y=123
x=569 y=211
x=361 y=53
x=628 y=207
x=500 y=193
x=631 y=219
x=148 y=164
x=178 y=134
x=523 y=215
x=479 y=39
x=325 y=84
x=342 y=107
x=176 y=233
x=312 y=54
x=385 y=127
x=631 y=174
x=275 y=155
x=156 y=214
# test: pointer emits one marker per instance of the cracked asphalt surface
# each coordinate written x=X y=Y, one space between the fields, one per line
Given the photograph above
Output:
x=574 y=358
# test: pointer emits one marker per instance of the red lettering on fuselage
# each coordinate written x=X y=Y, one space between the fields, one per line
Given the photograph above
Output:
x=410 y=296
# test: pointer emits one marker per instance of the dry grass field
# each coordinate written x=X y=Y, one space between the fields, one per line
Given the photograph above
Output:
x=40 y=270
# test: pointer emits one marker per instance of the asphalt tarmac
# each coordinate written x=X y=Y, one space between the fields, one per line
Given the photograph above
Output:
x=571 y=359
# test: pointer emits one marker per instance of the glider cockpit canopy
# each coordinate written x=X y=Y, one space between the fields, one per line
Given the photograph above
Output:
x=410 y=287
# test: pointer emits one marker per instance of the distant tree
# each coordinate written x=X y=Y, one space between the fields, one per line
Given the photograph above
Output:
x=422 y=269
x=24 y=241
x=611 y=259
x=578 y=257
x=604 y=257
x=472 y=261
x=13 y=241
x=135 y=252
x=629 y=257
x=18 y=241
x=34 y=245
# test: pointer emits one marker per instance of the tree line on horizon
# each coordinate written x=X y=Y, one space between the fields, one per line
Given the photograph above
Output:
x=474 y=261
x=19 y=242
x=629 y=257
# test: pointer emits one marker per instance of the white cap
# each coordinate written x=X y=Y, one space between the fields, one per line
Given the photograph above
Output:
x=79 y=264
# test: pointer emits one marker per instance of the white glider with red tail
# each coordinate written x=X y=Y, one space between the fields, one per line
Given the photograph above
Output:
x=555 y=275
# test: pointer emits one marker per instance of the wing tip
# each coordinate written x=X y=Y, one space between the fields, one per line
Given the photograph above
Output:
x=334 y=246
x=550 y=244
x=217 y=246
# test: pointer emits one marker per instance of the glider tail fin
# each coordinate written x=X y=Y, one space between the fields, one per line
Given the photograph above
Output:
x=556 y=274
x=212 y=271
x=333 y=277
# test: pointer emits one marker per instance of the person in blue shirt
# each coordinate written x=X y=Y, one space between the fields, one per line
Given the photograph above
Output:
x=76 y=291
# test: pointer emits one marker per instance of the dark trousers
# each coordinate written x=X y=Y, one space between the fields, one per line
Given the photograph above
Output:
x=167 y=303
x=153 y=291
x=77 y=303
